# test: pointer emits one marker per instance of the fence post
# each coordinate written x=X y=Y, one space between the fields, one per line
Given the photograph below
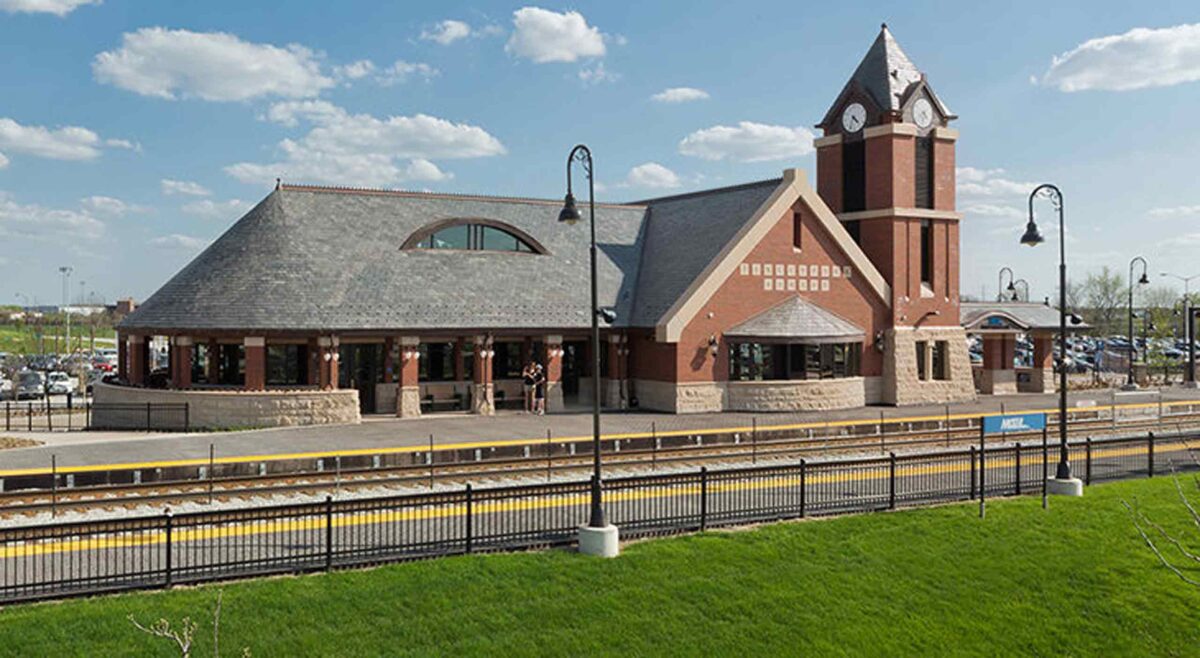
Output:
x=1018 y=492
x=972 y=451
x=211 y=466
x=982 y=469
x=549 y=459
x=69 y=410
x=1045 y=464
x=1150 y=454
x=470 y=532
x=891 y=480
x=53 y=485
x=7 y=416
x=803 y=479
x=29 y=414
x=1088 y=453
x=753 y=440
x=328 y=532
x=170 y=519
x=882 y=434
x=49 y=414
x=653 y=446
x=947 y=426
x=431 y=462
x=703 y=498
x=147 y=416
x=187 y=417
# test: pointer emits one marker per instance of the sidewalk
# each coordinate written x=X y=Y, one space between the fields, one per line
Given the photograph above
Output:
x=90 y=448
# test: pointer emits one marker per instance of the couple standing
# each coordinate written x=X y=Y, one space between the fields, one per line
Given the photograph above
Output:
x=533 y=377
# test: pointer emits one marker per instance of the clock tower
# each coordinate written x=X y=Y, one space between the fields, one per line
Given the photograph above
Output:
x=885 y=167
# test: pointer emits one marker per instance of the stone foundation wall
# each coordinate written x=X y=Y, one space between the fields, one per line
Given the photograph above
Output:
x=901 y=384
x=997 y=382
x=213 y=409
x=681 y=398
x=812 y=395
x=1041 y=380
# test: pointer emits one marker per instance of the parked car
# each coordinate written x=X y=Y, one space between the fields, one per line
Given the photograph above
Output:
x=6 y=388
x=31 y=385
x=60 y=383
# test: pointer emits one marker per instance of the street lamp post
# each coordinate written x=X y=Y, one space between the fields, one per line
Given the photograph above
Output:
x=66 y=272
x=1016 y=297
x=1188 y=311
x=1062 y=483
x=1000 y=289
x=598 y=537
x=1130 y=384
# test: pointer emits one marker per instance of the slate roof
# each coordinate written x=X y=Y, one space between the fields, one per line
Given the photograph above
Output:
x=1026 y=315
x=329 y=259
x=799 y=320
x=887 y=75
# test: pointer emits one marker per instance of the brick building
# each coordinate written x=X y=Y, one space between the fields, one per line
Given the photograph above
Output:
x=773 y=295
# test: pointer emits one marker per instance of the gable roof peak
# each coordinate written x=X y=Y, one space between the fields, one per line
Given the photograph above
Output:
x=885 y=74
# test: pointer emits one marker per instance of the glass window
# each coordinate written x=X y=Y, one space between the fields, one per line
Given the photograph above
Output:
x=475 y=237
x=287 y=365
x=922 y=360
x=941 y=360
x=436 y=362
x=454 y=237
x=507 y=362
x=926 y=253
x=232 y=365
x=797 y=230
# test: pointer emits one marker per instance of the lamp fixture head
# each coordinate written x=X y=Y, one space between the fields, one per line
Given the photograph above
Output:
x=569 y=213
x=1143 y=281
x=1033 y=236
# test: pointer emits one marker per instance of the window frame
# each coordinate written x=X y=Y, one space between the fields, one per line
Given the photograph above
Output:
x=477 y=230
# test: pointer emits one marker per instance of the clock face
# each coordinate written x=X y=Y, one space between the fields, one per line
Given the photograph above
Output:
x=854 y=117
x=922 y=112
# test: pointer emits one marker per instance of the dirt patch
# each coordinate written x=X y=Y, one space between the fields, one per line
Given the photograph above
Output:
x=7 y=442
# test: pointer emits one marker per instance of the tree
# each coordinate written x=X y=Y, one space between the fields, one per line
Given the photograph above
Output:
x=1105 y=296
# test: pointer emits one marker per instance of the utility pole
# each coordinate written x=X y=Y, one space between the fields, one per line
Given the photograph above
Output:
x=66 y=282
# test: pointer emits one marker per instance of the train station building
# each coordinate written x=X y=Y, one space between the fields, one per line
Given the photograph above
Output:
x=774 y=295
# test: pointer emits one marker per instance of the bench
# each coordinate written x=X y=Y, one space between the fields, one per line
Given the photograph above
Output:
x=452 y=403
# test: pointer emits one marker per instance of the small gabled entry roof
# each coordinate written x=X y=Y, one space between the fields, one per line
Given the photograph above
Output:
x=798 y=320
x=1012 y=317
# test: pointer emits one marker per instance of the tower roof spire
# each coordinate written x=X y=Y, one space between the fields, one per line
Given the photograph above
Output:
x=886 y=75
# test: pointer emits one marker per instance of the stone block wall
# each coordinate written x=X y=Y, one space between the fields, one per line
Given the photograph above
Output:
x=220 y=409
x=812 y=395
x=901 y=382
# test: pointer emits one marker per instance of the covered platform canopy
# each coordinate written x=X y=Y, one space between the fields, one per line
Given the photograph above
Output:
x=999 y=323
x=799 y=321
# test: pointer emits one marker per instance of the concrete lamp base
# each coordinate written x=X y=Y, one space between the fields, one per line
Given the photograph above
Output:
x=1130 y=387
x=1191 y=384
x=601 y=542
x=1067 y=487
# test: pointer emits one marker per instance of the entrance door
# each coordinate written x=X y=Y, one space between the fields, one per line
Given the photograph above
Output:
x=360 y=366
x=573 y=367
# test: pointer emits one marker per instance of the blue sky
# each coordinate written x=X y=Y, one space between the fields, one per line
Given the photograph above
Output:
x=133 y=133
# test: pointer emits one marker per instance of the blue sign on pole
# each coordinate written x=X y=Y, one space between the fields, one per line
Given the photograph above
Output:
x=1013 y=423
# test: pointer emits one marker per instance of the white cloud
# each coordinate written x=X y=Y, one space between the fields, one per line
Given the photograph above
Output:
x=362 y=150
x=447 y=32
x=109 y=206
x=209 y=209
x=3 y=161
x=65 y=143
x=652 y=175
x=401 y=71
x=544 y=36
x=679 y=95
x=355 y=70
x=1175 y=211
x=748 y=142
x=214 y=66
x=59 y=8
x=992 y=210
x=597 y=74
x=123 y=144
x=185 y=187
x=40 y=223
x=1137 y=59
x=178 y=241
x=975 y=182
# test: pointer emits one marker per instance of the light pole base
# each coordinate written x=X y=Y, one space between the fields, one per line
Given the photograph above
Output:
x=1064 y=487
x=1191 y=384
x=600 y=542
x=1130 y=387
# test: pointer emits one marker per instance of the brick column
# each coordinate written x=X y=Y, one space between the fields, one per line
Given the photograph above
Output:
x=137 y=360
x=483 y=391
x=312 y=370
x=998 y=376
x=181 y=362
x=256 y=363
x=122 y=357
x=1042 y=376
x=327 y=363
x=552 y=345
x=212 y=361
x=408 y=393
x=615 y=384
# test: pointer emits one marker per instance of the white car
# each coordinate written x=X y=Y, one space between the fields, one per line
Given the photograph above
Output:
x=6 y=389
x=60 y=383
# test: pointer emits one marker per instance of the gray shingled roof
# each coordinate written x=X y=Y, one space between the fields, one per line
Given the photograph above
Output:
x=330 y=260
x=885 y=74
x=685 y=233
x=798 y=320
x=1026 y=315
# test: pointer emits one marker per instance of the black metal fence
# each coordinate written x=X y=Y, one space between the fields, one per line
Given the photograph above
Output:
x=54 y=561
x=80 y=414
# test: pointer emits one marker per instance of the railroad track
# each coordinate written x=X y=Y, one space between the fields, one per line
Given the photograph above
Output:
x=225 y=489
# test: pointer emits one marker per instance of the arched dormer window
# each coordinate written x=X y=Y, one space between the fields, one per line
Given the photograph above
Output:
x=473 y=235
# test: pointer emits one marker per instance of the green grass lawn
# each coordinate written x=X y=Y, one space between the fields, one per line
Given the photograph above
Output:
x=17 y=339
x=1074 y=580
